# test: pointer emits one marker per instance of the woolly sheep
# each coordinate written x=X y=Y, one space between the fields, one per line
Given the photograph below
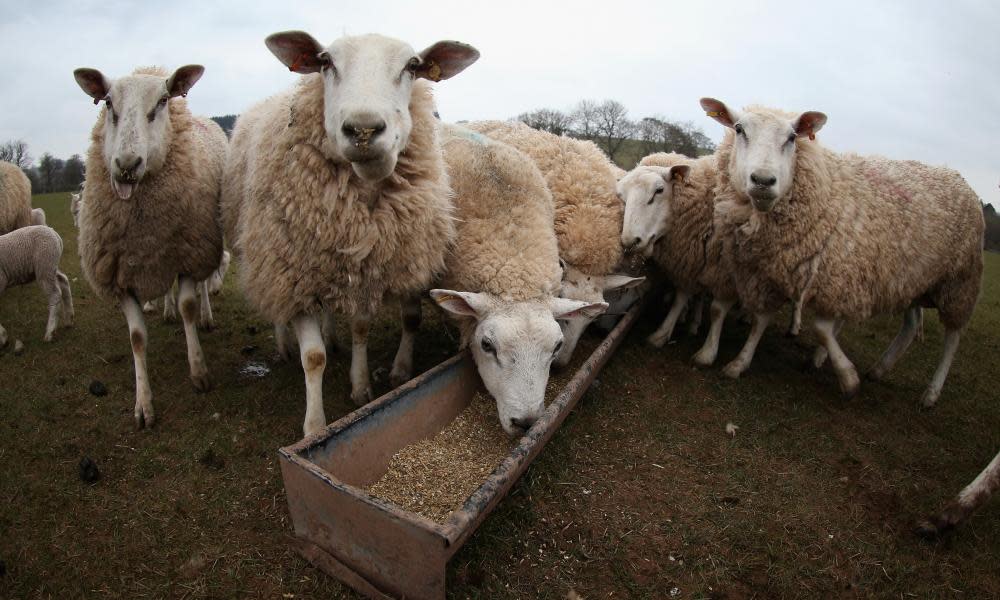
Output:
x=152 y=202
x=15 y=198
x=37 y=216
x=29 y=254
x=588 y=215
x=968 y=500
x=503 y=273
x=336 y=193
x=855 y=235
x=670 y=217
x=75 y=200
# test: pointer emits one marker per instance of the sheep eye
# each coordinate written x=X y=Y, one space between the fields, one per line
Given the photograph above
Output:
x=739 y=129
x=657 y=192
x=791 y=138
x=324 y=57
x=558 y=347
x=488 y=347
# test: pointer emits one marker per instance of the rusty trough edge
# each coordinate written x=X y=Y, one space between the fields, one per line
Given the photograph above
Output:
x=463 y=522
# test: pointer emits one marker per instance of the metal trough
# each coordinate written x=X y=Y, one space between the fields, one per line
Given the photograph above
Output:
x=372 y=545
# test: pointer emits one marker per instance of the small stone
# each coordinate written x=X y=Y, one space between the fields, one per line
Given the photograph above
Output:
x=216 y=416
x=97 y=388
x=18 y=347
x=89 y=473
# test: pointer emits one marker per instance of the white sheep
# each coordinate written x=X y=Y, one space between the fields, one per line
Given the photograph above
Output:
x=37 y=216
x=152 y=202
x=853 y=236
x=29 y=254
x=15 y=198
x=75 y=200
x=335 y=192
x=503 y=274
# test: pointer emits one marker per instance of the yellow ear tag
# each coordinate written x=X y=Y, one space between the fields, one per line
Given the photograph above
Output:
x=434 y=72
x=712 y=113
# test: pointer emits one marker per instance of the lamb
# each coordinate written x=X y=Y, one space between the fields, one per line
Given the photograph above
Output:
x=854 y=235
x=15 y=198
x=670 y=217
x=588 y=217
x=968 y=500
x=336 y=194
x=503 y=274
x=75 y=200
x=152 y=201
x=37 y=216
x=29 y=254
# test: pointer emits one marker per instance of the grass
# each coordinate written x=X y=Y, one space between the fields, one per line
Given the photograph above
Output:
x=641 y=492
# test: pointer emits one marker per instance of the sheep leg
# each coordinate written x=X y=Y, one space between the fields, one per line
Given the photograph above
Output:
x=149 y=307
x=899 y=345
x=188 y=303
x=170 y=304
x=662 y=335
x=739 y=364
x=312 y=352
x=144 y=416
x=951 y=338
x=402 y=365
x=699 y=309
x=826 y=330
x=329 y=330
x=3 y=332
x=968 y=500
x=795 y=327
x=710 y=350
x=821 y=354
x=283 y=341
x=67 y=299
x=205 y=320
x=50 y=287
x=361 y=389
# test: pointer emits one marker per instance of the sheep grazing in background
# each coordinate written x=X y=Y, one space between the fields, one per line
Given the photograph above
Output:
x=670 y=217
x=37 y=216
x=75 y=200
x=588 y=217
x=152 y=203
x=336 y=193
x=29 y=254
x=854 y=236
x=503 y=273
x=968 y=500
x=15 y=198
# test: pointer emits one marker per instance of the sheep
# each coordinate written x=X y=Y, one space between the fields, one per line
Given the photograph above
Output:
x=75 y=200
x=854 y=235
x=503 y=275
x=29 y=254
x=37 y=216
x=210 y=287
x=968 y=500
x=15 y=198
x=670 y=217
x=588 y=217
x=336 y=194
x=152 y=201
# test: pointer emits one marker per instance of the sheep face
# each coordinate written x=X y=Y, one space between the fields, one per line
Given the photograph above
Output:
x=367 y=82
x=647 y=192
x=577 y=285
x=137 y=130
x=762 y=163
x=513 y=345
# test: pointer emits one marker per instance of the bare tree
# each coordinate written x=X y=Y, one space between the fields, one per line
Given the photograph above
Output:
x=72 y=173
x=16 y=152
x=612 y=126
x=547 y=119
x=49 y=169
x=584 y=117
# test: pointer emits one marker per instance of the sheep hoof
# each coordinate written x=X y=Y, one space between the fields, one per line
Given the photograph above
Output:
x=202 y=383
x=206 y=325
x=703 y=360
x=849 y=389
x=933 y=528
x=312 y=426
x=144 y=418
x=362 y=397
x=930 y=398
x=733 y=370
x=656 y=342
x=398 y=378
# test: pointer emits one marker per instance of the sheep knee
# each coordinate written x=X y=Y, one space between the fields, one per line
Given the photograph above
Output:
x=138 y=341
x=314 y=360
x=189 y=308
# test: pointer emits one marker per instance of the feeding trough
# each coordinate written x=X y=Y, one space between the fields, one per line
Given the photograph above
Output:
x=372 y=545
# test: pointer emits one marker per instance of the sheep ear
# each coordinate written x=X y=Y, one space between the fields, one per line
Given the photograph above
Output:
x=621 y=282
x=93 y=83
x=298 y=51
x=183 y=79
x=718 y=111
x=563 y=308
x=445 y=59
x=467 y=304
x=809 y=123
x=679 y=172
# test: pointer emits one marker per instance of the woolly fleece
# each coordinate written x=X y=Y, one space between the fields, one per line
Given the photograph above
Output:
x=15 y=198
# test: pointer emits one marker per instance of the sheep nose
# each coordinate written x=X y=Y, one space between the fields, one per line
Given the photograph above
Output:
x=128 y=164
x=630 y=243
x=763 y=178
x=522 y=424
x=363 y=129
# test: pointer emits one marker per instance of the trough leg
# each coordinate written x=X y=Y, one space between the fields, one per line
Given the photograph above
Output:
x=402 y=365
x=951 y=338
x=144 y=416
x=205 y=319
x=361 y=388
x=710 y=350
x=899 y=345
x=188 y=305
x=826 y=330
x=67 y=299
x=662 y=335
x=967 y=501
x=742 y=361
x=312 y=352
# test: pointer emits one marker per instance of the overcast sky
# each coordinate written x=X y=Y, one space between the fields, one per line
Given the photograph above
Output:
x=910 y=80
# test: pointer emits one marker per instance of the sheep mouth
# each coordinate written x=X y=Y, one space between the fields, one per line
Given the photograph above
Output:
x=124 y=186
x=762 y=200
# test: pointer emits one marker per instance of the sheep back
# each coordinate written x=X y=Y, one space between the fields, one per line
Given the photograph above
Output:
x=15 y=198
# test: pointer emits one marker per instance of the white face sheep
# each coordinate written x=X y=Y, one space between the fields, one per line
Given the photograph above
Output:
x=32 y=254
x=646 y=192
